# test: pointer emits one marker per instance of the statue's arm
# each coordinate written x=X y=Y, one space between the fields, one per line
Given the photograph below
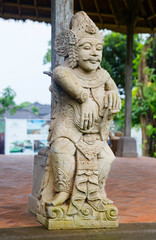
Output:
x=111 y=99
x=110 y=85
x=70 y=84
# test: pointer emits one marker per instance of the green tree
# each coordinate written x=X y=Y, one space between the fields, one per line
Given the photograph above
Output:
x=24 y=104
x=144 y=99
x=7 y=101
x=35 y=110
x=47 y=57
x=114 y=56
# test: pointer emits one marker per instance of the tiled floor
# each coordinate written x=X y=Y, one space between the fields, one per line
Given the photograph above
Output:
x=131 y=184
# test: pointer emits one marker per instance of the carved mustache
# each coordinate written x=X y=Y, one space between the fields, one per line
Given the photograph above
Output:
x=91 y=59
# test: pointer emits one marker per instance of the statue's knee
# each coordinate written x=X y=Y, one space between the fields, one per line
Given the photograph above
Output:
x=63 y=146
x=106 y=155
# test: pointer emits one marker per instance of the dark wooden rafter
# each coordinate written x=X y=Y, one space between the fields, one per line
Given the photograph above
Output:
x=101 y=14
x=29 y=6
x=26 y=16
x=144 y=13
x=19 y=7
x=151 y=7
x=133 y=6
x=151 y=17
x=115 y=18
x=118 y=12
x=98 y=11
x=81 y=5
x=125 y=3
x=112 y=16
x=36 y=8
x=1 y=7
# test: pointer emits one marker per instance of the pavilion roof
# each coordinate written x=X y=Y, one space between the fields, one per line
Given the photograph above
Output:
x=110 y=14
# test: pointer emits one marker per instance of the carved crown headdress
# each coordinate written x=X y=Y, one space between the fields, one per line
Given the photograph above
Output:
x=81 y=26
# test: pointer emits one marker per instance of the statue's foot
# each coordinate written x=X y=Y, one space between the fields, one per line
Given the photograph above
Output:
x=58 y=199
x=105 y=200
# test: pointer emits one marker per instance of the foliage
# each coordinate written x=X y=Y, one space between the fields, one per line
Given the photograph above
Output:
x=144 y=97
x=35 y=110
x=119 y=118
x=47 y=57
x=114 y=56
x=7 y=101
x=24 y=104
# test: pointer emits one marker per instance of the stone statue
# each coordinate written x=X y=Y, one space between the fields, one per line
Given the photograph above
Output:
x=86 y=99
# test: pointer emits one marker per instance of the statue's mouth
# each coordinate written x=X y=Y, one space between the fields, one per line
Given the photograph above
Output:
x=92 y=60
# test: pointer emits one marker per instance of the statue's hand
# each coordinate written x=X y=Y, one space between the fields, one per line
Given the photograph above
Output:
x=112 y=100
x=89 y=113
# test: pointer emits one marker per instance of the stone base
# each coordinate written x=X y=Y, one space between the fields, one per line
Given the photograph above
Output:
x=38 y=172
x=60 y=217
x=126 y=147
x=32 y=204
x=75 y=224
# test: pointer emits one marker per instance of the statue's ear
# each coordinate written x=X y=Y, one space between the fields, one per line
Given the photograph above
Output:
x=64 y=40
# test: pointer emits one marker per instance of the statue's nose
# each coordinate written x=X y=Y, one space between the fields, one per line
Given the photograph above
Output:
x=94 y=52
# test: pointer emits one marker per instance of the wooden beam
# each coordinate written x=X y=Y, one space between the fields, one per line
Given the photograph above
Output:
x=118 y=11
x=8 y=4
x=61 y=13
x=151 y=7
x=98 y=11
x=125 y=3
x=115 y=18
x=128 y=82
x=1 y=7
x=19 y=9
x=102 y=14
x=123 y=28
x=133 y=6
x=151 y=17
x=36 y=9
x=25 y=17
x=144 y=13
x=81 y=5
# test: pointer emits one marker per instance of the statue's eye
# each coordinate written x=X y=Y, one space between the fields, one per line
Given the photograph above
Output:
x=87 y=47
x=99 y=48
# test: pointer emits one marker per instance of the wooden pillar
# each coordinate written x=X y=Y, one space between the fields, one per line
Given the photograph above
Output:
x=128 y=81
x=61 y=13
x=127 y=144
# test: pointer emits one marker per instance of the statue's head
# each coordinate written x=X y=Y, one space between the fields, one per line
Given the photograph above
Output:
x=82 y=44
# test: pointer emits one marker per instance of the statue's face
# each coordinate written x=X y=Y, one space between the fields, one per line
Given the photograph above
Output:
x=89 y=53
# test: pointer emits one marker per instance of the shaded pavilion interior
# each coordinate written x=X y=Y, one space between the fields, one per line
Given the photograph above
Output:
x=108 y=14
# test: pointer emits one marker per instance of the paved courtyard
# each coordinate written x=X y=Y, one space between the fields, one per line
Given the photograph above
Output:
x=131 y=185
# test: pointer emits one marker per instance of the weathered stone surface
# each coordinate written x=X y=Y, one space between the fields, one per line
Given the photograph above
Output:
x=38 y=172
x=85 y=100
x=126 y=147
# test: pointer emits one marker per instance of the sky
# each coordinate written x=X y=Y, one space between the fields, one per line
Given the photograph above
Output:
x=22 y=48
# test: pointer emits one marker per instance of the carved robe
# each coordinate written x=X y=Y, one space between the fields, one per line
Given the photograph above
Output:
x=66 y=108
